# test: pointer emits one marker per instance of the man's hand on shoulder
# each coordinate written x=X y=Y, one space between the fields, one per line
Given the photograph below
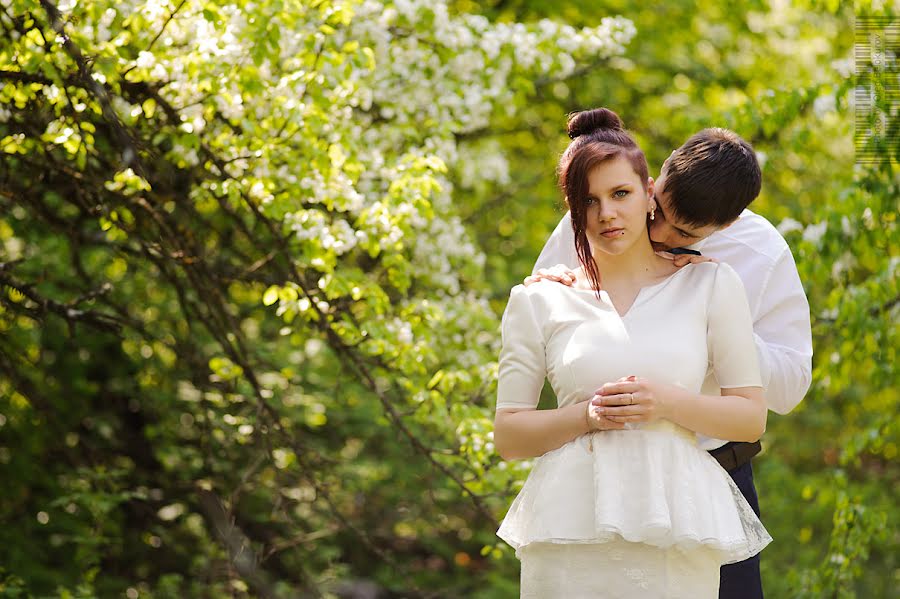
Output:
x=559 y=273
x=684 y=259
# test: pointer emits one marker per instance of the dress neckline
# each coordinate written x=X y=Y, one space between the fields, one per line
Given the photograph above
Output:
x=641 y=295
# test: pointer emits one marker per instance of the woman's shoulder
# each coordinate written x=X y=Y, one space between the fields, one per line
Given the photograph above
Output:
x=538 y=292
x=540 y=296
x=705 y=280
x=718 y=282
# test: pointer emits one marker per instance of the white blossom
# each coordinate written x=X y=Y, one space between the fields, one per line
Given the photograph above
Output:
x=154 y=10
x=813 y=233
x=788 y=225
x=428 y=85
x=761 y=158
x=823 y=105
x=145 y=60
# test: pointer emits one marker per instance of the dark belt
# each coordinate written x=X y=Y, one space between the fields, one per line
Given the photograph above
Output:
x=735 y=453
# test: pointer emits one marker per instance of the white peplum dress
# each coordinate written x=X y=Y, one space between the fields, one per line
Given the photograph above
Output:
x=642 y=512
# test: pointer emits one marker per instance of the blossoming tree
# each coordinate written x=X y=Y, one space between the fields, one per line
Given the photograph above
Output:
x=238 y=291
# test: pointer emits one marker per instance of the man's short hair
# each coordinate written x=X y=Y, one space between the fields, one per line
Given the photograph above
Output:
x=712 y=177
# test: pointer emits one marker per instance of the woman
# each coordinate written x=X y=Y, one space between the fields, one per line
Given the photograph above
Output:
x=625 y=507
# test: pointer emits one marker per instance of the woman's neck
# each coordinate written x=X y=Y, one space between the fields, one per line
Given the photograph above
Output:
x=635 y=264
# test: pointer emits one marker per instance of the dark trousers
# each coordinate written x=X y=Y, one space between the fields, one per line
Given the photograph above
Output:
x=742 y=580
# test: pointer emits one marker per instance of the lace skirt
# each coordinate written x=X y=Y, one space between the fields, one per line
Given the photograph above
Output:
x=618 y=569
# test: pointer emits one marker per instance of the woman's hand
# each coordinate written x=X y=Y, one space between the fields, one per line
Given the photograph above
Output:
x=598 y=422
x=559 y=273
x=633 y=399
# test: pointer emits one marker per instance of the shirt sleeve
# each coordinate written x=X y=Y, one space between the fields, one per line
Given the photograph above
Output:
x=560 y=248
x=523 y=366
x=732 y=348
x=783 y=337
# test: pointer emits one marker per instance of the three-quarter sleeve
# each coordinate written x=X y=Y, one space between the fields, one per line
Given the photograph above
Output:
x=732 y=347
x=523 y=364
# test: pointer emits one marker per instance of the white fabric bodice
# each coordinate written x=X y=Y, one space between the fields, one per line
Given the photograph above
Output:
x=673 y=332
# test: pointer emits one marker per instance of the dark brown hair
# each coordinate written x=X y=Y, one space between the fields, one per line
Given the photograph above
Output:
x=712 y=177
x=597 y=136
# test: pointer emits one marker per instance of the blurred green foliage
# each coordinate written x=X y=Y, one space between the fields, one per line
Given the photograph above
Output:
x=207 y=390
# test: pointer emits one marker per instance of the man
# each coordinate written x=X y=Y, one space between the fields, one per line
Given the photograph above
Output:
x=702 y=195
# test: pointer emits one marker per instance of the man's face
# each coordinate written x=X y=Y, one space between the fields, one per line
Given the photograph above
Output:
x=666 y=232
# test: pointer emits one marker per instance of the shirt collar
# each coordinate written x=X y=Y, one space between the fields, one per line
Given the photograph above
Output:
x=698 y=246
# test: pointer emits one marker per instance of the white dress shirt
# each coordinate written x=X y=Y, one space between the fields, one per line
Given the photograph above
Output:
x=778 y=305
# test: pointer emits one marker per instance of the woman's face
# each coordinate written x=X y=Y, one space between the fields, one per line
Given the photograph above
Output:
x=617 y=207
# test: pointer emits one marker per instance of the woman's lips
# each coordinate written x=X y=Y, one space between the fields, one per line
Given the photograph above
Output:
x=613 y=233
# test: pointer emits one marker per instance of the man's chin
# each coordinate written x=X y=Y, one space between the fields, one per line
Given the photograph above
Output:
x=659 y=247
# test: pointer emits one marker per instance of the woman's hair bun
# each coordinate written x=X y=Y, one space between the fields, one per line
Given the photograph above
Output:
x=588 y=121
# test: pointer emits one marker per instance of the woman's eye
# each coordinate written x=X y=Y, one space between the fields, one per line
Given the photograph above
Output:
x=588 y=201
x=621 y=193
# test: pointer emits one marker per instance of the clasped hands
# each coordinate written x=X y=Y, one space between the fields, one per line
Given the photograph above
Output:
x=630 y=399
